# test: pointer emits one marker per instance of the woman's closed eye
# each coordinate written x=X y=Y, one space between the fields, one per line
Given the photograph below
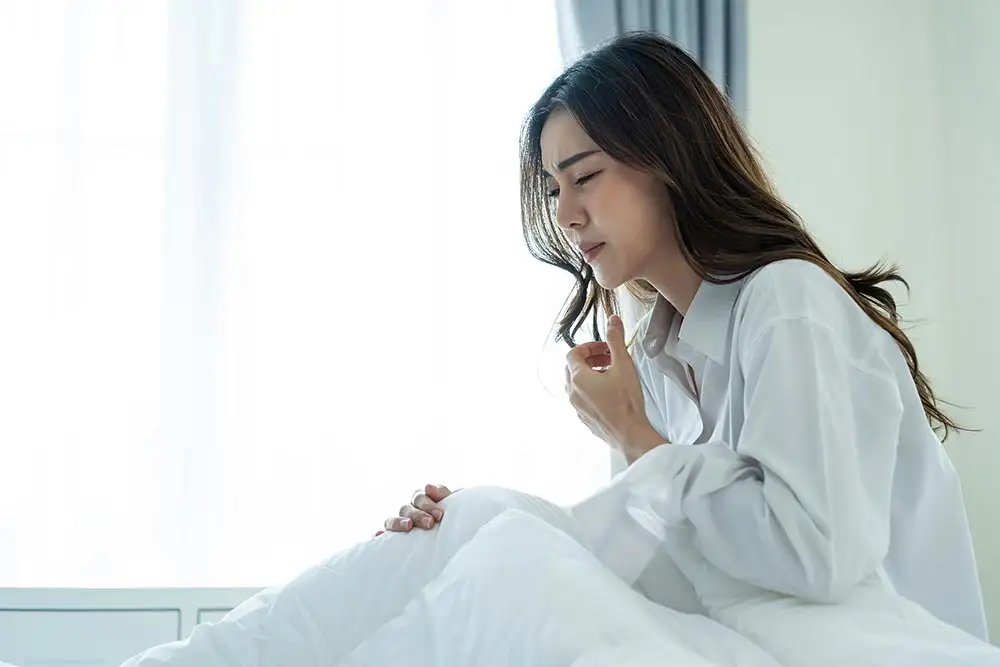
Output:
x=578 y=182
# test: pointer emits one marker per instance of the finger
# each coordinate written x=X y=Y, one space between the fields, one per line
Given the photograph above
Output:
x=593 y=347
x=425 y=503
x=421 y=519
x=398 y=524
x=599 y=361
x=616 y=341
x=576 y=359
x=422 y=500
x=581 y=352
x=436 y=492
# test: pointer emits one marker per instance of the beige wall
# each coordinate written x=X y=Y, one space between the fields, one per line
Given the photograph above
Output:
x=877 y=120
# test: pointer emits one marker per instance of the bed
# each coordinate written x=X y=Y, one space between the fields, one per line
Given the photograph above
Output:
x=506 y=580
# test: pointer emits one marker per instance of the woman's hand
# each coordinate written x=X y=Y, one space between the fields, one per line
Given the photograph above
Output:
x=603 y=386
x=422 y=512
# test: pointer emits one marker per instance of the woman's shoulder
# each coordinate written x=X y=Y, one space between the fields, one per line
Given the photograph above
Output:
x=792 y=288
x=797 y=289
x=790 y=278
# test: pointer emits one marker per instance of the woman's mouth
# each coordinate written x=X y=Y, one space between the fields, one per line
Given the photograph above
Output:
x=590 y=251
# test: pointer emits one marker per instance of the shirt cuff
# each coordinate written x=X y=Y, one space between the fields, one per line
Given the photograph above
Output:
x=624 y=523
x=666 y=480
x=611 y=535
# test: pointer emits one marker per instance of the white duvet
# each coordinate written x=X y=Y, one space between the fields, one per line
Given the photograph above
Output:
x=501 y=581
x=505 y=580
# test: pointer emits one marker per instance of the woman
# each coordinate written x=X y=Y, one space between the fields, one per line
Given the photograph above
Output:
x=780 y=434
x=778 y=431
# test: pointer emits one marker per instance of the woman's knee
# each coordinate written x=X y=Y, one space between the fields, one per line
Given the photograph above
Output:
x=477 y=506
x=485 y=502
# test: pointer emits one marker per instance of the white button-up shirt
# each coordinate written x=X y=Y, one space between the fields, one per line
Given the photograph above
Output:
x=801 y=460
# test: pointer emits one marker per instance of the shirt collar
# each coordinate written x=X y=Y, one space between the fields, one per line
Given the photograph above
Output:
x=705 y=327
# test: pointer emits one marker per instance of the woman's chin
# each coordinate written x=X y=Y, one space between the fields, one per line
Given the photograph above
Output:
x=608 y=280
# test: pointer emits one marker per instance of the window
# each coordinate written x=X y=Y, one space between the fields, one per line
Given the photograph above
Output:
x=262 y=274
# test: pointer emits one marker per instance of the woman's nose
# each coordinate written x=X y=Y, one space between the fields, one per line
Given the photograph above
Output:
x=570 y=216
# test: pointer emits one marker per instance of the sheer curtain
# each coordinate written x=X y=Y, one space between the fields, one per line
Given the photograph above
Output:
x=261 y=275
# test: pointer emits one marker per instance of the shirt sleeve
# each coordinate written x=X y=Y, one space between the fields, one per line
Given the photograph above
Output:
x=607 y=529
x=801 y=505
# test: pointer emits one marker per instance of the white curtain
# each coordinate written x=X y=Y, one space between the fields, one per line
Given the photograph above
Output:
x=261 y=275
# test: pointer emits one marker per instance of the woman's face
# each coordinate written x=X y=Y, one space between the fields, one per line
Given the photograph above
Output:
x=619 y=217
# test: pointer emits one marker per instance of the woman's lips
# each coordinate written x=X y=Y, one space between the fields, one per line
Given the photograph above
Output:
x=591 y=250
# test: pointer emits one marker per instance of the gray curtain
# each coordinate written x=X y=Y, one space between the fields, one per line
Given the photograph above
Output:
x=713 y=31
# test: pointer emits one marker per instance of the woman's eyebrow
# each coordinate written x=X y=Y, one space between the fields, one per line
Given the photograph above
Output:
x=569 y=162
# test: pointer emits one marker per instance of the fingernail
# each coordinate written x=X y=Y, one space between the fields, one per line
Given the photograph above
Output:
x=407 y=524
x=437 y=514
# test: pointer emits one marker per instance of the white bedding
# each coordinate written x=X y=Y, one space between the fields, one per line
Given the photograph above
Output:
x=500 y=582
x=524 y=593
x=504 y=580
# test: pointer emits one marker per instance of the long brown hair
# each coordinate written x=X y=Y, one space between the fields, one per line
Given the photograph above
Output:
x=649 y=105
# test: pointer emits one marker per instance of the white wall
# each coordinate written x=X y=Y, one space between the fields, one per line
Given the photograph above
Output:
x=969 y=47
x=877 y=121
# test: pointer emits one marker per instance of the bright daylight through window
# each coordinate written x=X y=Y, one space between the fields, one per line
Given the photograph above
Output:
x=262 y=275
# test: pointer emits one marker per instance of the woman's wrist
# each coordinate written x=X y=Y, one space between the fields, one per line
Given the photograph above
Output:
x=640 y=439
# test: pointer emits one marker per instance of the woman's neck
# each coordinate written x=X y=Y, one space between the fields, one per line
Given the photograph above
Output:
x=678 y=287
